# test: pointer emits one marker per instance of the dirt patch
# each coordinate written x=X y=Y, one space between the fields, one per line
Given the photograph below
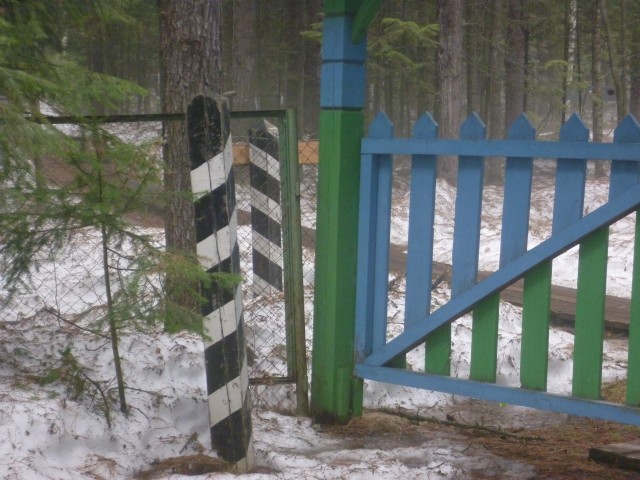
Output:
x=559 y=451
x=563 y=451
x=188 y=465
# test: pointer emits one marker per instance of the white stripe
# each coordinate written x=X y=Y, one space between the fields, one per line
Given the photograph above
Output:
x=214 y=172
x=219 y=323
x=266 y=162
x=239 y=305
x=223 y=321
x=262 y=287
x=217 y=171
x=218 y=247
x=269 y=249
x=266 y=205
x=200 y=182
x=228 y=398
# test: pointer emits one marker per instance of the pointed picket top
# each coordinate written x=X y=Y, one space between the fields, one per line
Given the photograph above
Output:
x=628 y=131
x=522 y=129
x=574 y=130
x=425 y=127
x=473 y=128
x=381 y=127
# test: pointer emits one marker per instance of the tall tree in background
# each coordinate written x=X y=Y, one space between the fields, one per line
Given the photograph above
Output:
x=243 y=57
x=190 y=53
x=596 y=75
x=616 y=56
x=514 y=63
x=450 y=57
x=494 y=112
x=493 y=99
x=634 y=57
x=309 y=100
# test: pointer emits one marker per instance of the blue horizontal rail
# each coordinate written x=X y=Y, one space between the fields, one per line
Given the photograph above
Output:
x=502 y=148
x=498 y=393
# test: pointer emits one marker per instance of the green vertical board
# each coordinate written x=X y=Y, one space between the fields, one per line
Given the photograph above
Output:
x=589 y=326
x=334 y=390
x=484 y=339
x=633 y=369
x=438 y=351
x=536 y=302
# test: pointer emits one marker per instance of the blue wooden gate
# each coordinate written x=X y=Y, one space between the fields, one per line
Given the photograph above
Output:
x=380 y=358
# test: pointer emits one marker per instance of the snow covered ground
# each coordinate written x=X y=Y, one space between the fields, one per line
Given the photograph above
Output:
x=56 y=379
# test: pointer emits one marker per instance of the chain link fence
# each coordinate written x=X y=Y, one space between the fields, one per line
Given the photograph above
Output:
x=67 y=285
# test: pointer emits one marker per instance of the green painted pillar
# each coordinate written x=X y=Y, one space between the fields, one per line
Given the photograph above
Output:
x=336 y=394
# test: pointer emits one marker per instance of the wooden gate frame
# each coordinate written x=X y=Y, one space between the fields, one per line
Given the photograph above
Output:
x=374 y=355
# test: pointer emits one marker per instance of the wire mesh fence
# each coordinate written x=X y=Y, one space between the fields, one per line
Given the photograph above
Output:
x=69 y=283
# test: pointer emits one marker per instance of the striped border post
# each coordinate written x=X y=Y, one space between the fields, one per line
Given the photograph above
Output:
x=266 y=212
x=216 y=221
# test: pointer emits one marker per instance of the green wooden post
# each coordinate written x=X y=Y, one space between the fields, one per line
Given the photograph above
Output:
x=336 y=394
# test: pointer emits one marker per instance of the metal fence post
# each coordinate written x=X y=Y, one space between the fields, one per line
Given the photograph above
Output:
x=293 y=274
x=212 y=183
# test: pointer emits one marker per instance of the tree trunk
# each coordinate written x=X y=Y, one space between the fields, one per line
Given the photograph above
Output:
x=450 y=56
x=514 y=64
x=493 y=167
x=311 y=98
x=596 y=58
x=634 y=53
x=596 y=74
x=243 y=56
x=189 y=65
x=617 y=73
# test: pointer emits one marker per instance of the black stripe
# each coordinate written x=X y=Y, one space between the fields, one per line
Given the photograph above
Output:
x=208 y=130
x=221 y=293
x=213 y=210
x=266 y=226
x=230 y=437
x=267 y=270
x=264 y=183
x=260 y=138
x=224 y=359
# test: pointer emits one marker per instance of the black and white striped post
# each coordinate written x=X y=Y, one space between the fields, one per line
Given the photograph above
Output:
x=210 y=152
x=266 y=212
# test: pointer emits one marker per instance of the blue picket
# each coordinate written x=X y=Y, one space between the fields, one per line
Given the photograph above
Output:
x=422 y=207
x=466 y=239
x=517 y=195
x=374 y=256
x=370 y=311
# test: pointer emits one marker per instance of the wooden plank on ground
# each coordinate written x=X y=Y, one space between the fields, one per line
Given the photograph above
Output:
x=620 y=455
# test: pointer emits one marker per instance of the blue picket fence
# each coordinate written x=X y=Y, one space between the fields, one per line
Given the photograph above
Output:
x=379 y=359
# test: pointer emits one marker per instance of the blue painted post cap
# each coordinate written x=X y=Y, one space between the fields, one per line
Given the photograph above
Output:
x=336 y=41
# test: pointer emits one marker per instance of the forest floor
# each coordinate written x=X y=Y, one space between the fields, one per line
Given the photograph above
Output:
x=556 y=446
